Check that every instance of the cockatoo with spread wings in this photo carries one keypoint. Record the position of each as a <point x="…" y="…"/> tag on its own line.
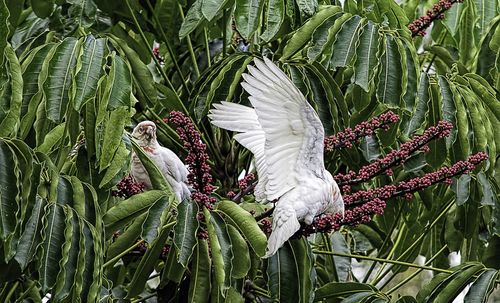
<point x="172" y="168"/>
<point x="286" y="136"/>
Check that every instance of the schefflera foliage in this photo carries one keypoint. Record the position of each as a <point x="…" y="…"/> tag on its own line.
<point x="52" y="228"/>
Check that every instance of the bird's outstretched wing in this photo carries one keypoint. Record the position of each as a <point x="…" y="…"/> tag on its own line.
<point x="293" y="132"/>
<point x="282" y="130"/>
<point x="243" y="119"/>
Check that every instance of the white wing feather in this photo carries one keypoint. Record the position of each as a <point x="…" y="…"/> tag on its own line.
<point x="290" y="125"/>
<point x="243" y="119"/>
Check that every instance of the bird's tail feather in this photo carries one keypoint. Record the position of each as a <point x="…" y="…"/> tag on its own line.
<point x="285" y="224"/>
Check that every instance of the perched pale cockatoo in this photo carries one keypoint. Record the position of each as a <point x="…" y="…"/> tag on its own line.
<point x="169" y="164"/>
<point x="285" y="135"/>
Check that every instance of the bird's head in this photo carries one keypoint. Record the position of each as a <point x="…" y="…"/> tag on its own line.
<point x="145" y="133"/>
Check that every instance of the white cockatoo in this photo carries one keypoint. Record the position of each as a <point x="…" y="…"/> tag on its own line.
<point x="172" y="168"/>
<point x="285" y="135"/>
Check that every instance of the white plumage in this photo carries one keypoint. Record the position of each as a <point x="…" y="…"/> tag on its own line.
<point x="285" y="135"/>
<point x="172" y="168"/>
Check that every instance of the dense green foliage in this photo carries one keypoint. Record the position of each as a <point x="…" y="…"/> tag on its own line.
<point x="74" y="75"/>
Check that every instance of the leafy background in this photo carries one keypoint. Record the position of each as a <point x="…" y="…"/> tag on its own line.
<point x="75" y="75"/>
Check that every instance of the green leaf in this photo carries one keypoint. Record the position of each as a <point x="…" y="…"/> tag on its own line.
<point x="346" y="41"/>
<point x="113" y="134"/>
<point x="52" y="139"/>
<point x="246" y="15"/>
<point x="118" y="167"/>
<point x="489" y="196"/>
<point x="12" y="108"/>
<point x="43" y="8"/>
<point x="118" y="85"/>
<point x="9" y="191"/>
<point x="240" y="263"/>
<point x="210" y="8"/>
<point x="324" y="35"/>
<point x="275" y="15"/>
<point x="453" y="16"/>
<point x="88" y="71"/>
<point x="31" y="236"/>
<point x="4" y="29"/>
<point x="467" y="43"/>
<point x="342" y="290"/>
<point x="147" y="264"/>
<point x="461" y="187"/>
<point x="301" y="36"/>
<point x="390" y="83"/>
<point x="199" y="286"/>
<point x="60" y="74"/>
<point x="122" y="213"/>
<point x="216" y="249"/>
<point x="157" y="215"/>
<point x="481" y="289"/>
<point x="457" y="282"/>
<point x="418" y="116"/>
<point x="194" y="18"/>
<point x="126" y="238"/>
<point x="141" y="73"/>
<point x="247" y="225"/>
<point x="307" y="7"/>
<point x="304" y="262"/>
<point x="53" y="240"/>
<point x="366" y="56"/>
<point x="83" y="12"/>
<point x="185" y="230"/>
<point x="437" y="153"/>
<point x="283" y="278"/>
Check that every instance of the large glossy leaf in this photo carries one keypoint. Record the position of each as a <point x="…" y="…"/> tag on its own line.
<point x="88" y="71"/>
<point x="9" y="200"/>
<point x="282" y="275"/>
<point x="185" y="230"/>
<point x="304" y="33"/>
<point x="366" y="56"/>
<point x="4" y="29"/>
<point x="53" y="241"/>
<point x="118" y="216"/>
<point x="60" y="74"/>
<point x="11" y="95"/>
<point x="247" y="15"/>
<point x="240" y="264"/>
<point x="390" y="79"/>
<point x="275" y="15"/>
<point x="341" y="290"/>
<point x="217" y="250"/>
<point x="246" y="224"/>
<point x="199" y="286"/>
<point x="147" y="264"/>
<point x="482" y="287"/>
<point x="118" y="84"/>
<point x="194" y="18"/>
<point x="346" y="42"/>
<point x="113" y="133"/>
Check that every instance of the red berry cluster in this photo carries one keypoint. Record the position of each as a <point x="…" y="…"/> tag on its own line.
<point x="362" y="205"/>
<point x="395" y="157"/>
<point x="127" y="187"/>
<point x="246" y="181"/>
<point x="418" y="26"/>
<point x="349" y="136"/>
<point x="199" y="171"/>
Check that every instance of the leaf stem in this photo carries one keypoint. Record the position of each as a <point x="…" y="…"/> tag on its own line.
<point x="386" y="240"/>
<point x="169" y="47"/>
<point x="420" y="238"/>
<point x="207" y="48"/>
<point x="190" y="45"/>
<point x="143" y="299"/>
<point x="158" y="65"/>
<point x="112" y="261"/>
<point x="383" y="261"/>
<point x="415" y="273"/>
<point x="11" y="291"/>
